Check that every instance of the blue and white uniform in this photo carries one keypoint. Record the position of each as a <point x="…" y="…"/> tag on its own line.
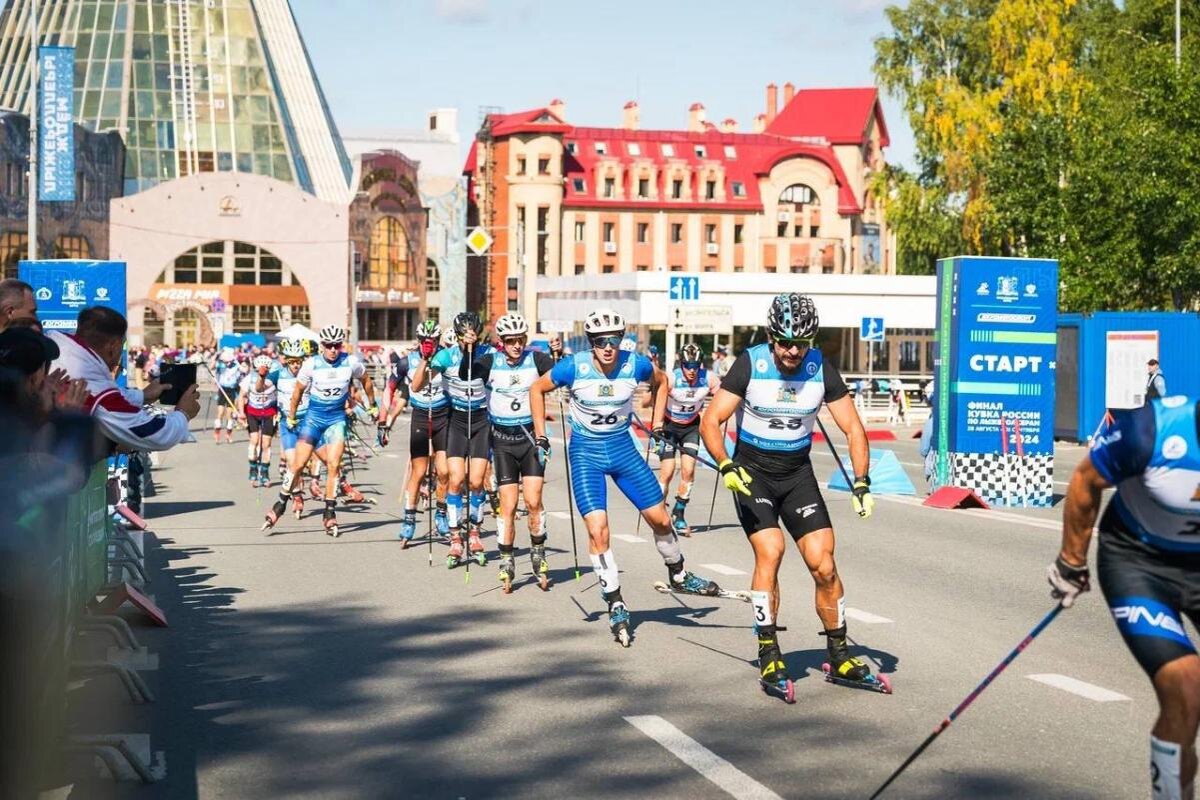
<point x="468" y="398"/>
<point x="685" y="401"/>
<point x="228" y="376"/>
<point x="328" y="386"/>
<point x="513" y="454"/>
<point x="600" y="412"/>
<point x="1149" y="550"/>
<point x="431" y="410"/>
<point x="285" y="384"/>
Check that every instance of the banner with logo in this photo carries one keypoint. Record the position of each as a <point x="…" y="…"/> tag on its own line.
<point x="56" y="129"/>
<point x="64" y="287"/>
<point x="996" y="343"/>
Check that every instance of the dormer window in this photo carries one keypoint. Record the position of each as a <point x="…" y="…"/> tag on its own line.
<point x="601" y="148"/>
<point x="668" y="151"/>
<point x="634" y="149"/>
<point x="730" y="151"/>
<point x="580" y="185"/>
<point x="701" y="151"/>
<point x="572" y="147"/>
<point x="739" y="189"/>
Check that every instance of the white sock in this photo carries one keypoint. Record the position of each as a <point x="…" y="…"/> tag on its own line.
<point x="605" y="565"/>
<point x="761" y="603"/>
<point x="1165" y="771"/>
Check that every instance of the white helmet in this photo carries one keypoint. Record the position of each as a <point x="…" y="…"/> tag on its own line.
<point x="511" y="325"/>
<point x="332" y="334"/>
<point x="603" y="320"/>
<point x="292" y="348"/>
<point x="449" y="339"/>
<point x="263" y="361"/>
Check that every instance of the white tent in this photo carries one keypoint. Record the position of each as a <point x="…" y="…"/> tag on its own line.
<point x="297" y="331"/>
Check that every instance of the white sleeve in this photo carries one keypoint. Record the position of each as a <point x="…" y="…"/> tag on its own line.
<point x="135" y="396"/>
<point x="138" y="428"/>
<point x="304" y="376"/>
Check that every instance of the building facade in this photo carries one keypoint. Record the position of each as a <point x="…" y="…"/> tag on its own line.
<point x="226" y="130"/>
<point x="791" y="197"/>
<point x="387" y="234"/>
<point x="78" y="229"/>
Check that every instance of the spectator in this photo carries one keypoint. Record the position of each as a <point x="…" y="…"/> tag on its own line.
<point x="26" y="354"/>
<point x="93" y="353"/>
<point x="556" y="347"/>
<point x="723" y="361"/>
<point x="16" y="301"/>
<point x="1156" y="384"/>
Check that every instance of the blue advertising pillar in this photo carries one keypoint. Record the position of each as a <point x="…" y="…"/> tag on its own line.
<point x="996" y="345"/>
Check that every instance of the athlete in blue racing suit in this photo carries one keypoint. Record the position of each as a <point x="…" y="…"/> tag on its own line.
<point x="602" y="381"/>
<point x="1148" y="563"/>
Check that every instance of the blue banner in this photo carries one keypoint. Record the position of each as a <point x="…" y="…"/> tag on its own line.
<point x="997" y="344"/>
<point x="56" y="130"/>
<point x="62" y="288"/>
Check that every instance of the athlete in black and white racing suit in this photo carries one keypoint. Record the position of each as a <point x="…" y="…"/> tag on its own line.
<point x="689" y="385"/>
<point x="1148" y="563"/>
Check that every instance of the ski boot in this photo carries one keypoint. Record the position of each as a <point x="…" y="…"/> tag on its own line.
<point x="351" y="495"/>
<point x="772" y="672"/>
<point x="264" y="474"/>
<point x="441" y="523"/>
<point x="847" y="670"/>
<point x="508" y="571"/>
<point x="475" y="546"/>
<point x="678" y="523"/>
<point x="329" y="520"/>
<point x="618" y="619"/>
<point x="455" y="556"/>
<point x="254" y="474"/>
<point x="277" y="510"/>
<point x="298" y="504"/>
<point x="691" y="583"/>
<point x="408" y="529"/>
<point x="541" y="567"/>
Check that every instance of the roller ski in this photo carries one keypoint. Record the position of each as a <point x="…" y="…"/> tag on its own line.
<point x="847" y="670"/>
<point x="277" y="510"/>
<point x="689" y="583"/>
<point x="618" y="620"/>
<point x="678" y="523"/>
<point x="475" y="546"/>
<point x="329" y="520"/>
<point x="348" y="494"/>
<point x="455" y="556"/>
<point x="508" y="572"/>
<point x="408" y="529"/>
<point x="541" y="567"/>
<point x="772" y="671"/>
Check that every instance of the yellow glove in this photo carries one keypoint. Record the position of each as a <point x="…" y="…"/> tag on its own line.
<point x="860" y="499"/>
<point x="373" y="410"/>
<point x="736" y="478"/>
<point x="292" y="422"/>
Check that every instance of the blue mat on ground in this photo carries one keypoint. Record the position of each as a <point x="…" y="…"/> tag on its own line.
<point x="887" y="476"/>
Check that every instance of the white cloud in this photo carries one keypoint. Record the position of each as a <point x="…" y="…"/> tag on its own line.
<point x="467" y="12"/>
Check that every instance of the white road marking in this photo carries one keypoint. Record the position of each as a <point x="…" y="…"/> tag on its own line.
<point x="716" y="769"/>
<point x="866" y="617"/>
<point x="1074" y="686"/>
<point x="721" y="569"/>
<point x="559" y="514"/>
<point x="629" y="537"/>
<point x="390" y="455"/>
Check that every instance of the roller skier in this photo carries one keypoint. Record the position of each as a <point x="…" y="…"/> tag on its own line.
<point x="427" y="434"/>
<point x="688" y="385"/>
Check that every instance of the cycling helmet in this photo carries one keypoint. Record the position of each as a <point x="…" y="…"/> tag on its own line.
<point x="793" y="316"/>
<point x="428" y="329"/>
<point x="263" y="361"/>
<point x="467" y="321"/>
<point x="511" y="325"/>
<point x="227" y="355"/>
<point x="332" y="334"/>
<point x="603" y="320"/>
<point x="691" y="353"/>
<point x="629" y="345"/>
<point x="449" y="339"/>
<point x="293" y="348"/>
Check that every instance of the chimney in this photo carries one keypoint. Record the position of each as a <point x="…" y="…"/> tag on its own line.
<point x="633" y="116"/>
<point x="760" y="123"/>
<point x="729" y="125"/>
<point x="789" y="91"/>
<point x="772" y="102"/>
<point x="696" y="117"/>
<point x="558" y="108"/>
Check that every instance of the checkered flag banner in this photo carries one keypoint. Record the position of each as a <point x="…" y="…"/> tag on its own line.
<point x="1006" y="480"/>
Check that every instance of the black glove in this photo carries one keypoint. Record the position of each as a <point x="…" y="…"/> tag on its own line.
<point x="381" y="434"/>
<point x="659" y="437"/>
<point x="543" y="449"/>
<point x="1067" y="582"/>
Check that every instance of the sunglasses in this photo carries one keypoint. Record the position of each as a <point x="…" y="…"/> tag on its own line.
<point x="788" y="344"/>
<point x="332" y="345"/>
<point x="600" y="342"/>
<point x="690" y="364"/>
<point x="507" y="340"/>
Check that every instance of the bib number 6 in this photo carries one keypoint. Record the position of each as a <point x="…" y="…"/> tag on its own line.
<point x="601" y="419"/>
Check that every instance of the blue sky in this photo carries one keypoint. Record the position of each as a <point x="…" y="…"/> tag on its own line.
<point x="383" y="64"/>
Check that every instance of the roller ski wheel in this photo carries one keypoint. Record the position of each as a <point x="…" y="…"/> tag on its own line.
<point x="872" y="683"/>
<point x="455" y="556"/>
<point x="475" y="547"/>
<point x="273" y="514"/>
<point x="541" y="567"/>
<point x="772" y="671"/>
<point x="508" y="573"/>
<point x="724" y="594"/>
<point x="331" y="524"/>
<point x="618" y="623"/>
<point x="784" y="689"/>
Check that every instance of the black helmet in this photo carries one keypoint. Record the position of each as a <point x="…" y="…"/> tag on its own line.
<point x="467" y="321"/>
<point x="690" y="353"/>
<point x="793" y="316"/>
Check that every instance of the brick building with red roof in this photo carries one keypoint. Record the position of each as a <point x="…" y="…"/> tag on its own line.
<point x="790" y="197"/>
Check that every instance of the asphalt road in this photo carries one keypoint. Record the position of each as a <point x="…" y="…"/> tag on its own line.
<point x="303" y="667"/>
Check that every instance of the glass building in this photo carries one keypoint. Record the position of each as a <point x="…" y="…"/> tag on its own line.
<point x="191" y="85"/>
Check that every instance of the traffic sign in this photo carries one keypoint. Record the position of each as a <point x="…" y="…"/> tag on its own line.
<point x="479" y="241"/>
<point x="871" y="329"/>
<point x="701" y="320"/>
<point x="684" y="288"/>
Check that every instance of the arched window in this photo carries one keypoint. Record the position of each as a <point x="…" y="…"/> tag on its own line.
<point x="433" y="279"/>
<point x="387" y="262"/>
<point x="799" y="212"/>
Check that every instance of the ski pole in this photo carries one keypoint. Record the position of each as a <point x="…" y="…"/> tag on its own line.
<point x="562" y="417"/>
<point x="221" y="389"/>
<point x="470" y="354"/>
<point x="432" y="485"/>
<point x="833" y="450"/>
<point x="716" y="483"/>
<point x="978" y="690"/>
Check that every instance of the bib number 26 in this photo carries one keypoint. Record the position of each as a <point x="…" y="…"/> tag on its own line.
<point x="603" y="419"/>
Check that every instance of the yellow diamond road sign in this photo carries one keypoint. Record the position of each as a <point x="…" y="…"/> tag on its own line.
<point x="479" y="241"/>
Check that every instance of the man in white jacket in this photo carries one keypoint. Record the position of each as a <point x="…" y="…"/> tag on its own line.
<point x="92" y="353"/>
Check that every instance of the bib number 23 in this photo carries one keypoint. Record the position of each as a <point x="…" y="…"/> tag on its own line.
<point x="777" y="424"/>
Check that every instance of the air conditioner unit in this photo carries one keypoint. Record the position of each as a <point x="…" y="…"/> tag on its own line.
<point x="784" y="216"/>
<point x="610" y="247"/>
<point x="711" y="248"/>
